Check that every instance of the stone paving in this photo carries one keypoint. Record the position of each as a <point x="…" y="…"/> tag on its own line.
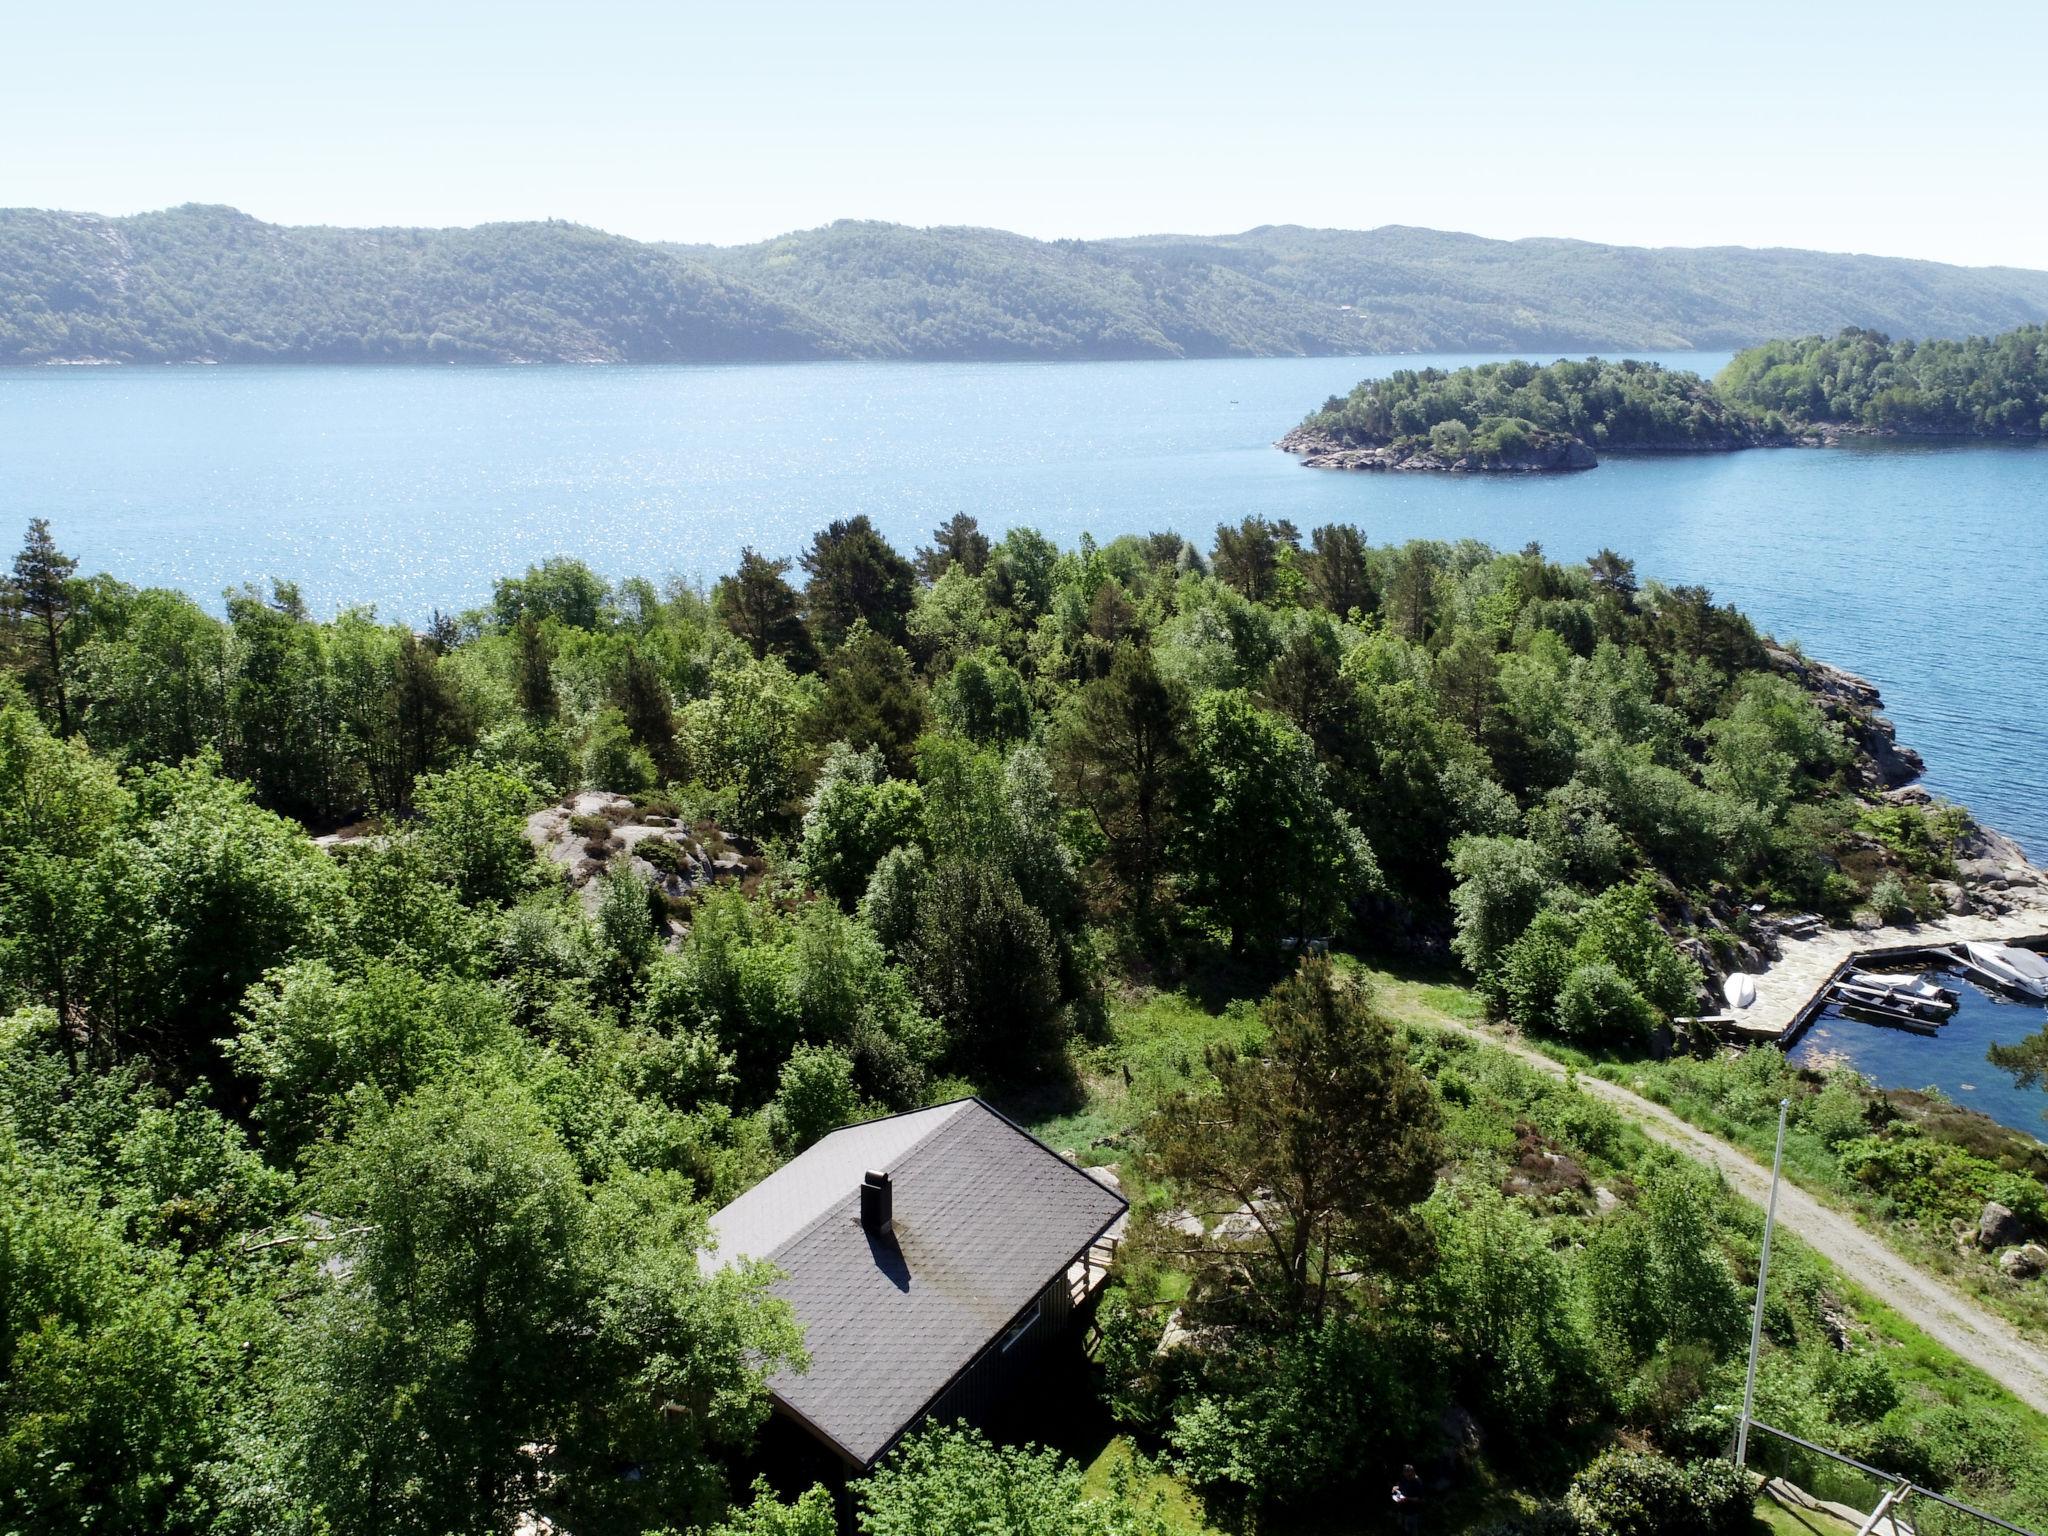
<point x="1805" y="965"/>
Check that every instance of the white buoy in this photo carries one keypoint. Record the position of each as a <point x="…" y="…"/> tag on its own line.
<point x="1739" y="989"/>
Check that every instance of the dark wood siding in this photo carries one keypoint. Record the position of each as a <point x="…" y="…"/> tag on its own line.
<point x="995" y="1373"/>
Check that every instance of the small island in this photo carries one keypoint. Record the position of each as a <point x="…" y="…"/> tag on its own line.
<point x="1518" y="417"/>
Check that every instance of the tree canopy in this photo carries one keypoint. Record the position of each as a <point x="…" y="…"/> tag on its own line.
<point x="382" y="1011"/>
<point x="1983" y="386"/>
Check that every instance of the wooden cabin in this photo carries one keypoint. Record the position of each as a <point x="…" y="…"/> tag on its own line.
<point x="931" y="1258"/>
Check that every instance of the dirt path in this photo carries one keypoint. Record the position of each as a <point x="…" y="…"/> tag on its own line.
<point x="1957" y="1323"/>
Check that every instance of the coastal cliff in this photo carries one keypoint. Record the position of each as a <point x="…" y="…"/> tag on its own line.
<point x="1854" y="704"/>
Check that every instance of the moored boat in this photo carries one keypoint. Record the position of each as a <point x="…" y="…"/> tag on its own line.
<point x="2017" y="970"/>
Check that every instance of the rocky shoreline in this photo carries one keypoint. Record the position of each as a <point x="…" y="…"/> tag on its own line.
<point x="1557" y="453"/>
<point x="1547" y="452"/>
<point x="1995" y="885"/>
<point x="1551" y="453"/>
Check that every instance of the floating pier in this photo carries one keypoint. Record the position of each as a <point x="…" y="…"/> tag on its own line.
<point x="1888" y="1018"/>
<point x="1793" y="986"/>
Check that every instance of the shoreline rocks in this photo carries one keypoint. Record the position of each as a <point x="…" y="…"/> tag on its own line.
<point x="1547" y="453"/>
<point x="1553" y="453"/>
<point x="1854" y="703"/>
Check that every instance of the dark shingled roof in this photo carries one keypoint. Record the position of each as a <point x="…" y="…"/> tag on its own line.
<point x="986" y="1216"/>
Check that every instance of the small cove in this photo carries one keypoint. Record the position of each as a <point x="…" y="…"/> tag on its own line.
<point x="1951" y="1061"/>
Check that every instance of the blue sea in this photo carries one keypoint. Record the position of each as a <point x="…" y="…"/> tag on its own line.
<point x="1920" y="566"/>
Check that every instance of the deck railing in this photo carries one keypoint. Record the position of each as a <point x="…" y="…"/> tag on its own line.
<point x="1894" y="1503"/>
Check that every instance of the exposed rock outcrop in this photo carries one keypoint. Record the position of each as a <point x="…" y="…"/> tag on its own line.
<point x="2025" y="1263"/>
<point x="1996" y="1226"/>
<point x="1547" y="452"/>
<point x="586" y="833"/>
<point x="1853" y="703"/>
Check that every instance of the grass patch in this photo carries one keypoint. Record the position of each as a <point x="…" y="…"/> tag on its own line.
<point x="1158" y="1042"/>
<point x="1780" y="1521"/>
<point x="1182" y="1509"/>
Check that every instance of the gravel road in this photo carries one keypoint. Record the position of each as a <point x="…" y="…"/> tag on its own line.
<point x="1959" y="1324"/>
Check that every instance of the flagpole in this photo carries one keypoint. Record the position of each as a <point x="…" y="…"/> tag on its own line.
<point x="1763" y="1270"/>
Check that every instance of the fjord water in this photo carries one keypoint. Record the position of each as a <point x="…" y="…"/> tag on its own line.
<point x="1920" y="566"/>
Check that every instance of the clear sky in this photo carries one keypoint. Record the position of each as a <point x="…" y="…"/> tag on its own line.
<point x="1866" y="125"/>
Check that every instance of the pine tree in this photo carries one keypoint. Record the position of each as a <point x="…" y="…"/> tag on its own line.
<point x="1328" y="1136"/>
<point x="535" y="675"/>
<point x="1248" y="556"/>
<point x="758" y="606"/>
<point x="1117" y="751"/>
<point x="855" y="575"/>
<point x="650" y="716"/>
<point x="1614" y="575"/>
<point x="872" y="698"/>
<point x="428" y="717"/>
<point x="1338" y="574"/>
<point x="957" y="541"/>
<point x="40" y="594"/>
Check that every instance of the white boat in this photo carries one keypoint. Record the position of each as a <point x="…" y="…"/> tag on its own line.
<point x="1919" y="987"/>
<point x="1850" y="993"/>
<point x="2020" y="970"/>
<point x="1739" y="989"/>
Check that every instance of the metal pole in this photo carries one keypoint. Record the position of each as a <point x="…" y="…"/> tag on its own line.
<point x="1887" y="1511"/>
<point x="1763" y="1272"/>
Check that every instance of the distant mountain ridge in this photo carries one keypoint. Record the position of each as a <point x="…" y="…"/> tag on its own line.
<point x="209" y="284"/>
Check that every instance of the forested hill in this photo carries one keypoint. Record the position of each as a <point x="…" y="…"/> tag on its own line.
<point x="204" y="283"/>
<point x="210" y="284"/>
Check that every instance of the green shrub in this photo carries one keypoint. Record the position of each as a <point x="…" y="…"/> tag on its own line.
<point x="1312" y="1413"/>
<point x="1935" y="1181"/>
<point x="816" y="1095"/>
<point x="1450" y="438"/>
<point x="1634" y="1493"/>
<point x="950" y="1481"/>
<point x="984" y="700"/>
<point x="1504" y="435"/>
<point x="1857" y="1385"/>
<point x="856" y="816"/>
<point x="1888" y="899"/>
<point x="1836" y="1114"/>
<point x="765" y="1515"/>
<point x="610" y="759"/>
<point x="1537" y="966"/>
<point x="1598" y="1006"/>
<point x="666" y="855"/>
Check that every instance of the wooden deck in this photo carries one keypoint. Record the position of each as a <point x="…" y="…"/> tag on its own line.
<point x="1089" y="1273"/>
